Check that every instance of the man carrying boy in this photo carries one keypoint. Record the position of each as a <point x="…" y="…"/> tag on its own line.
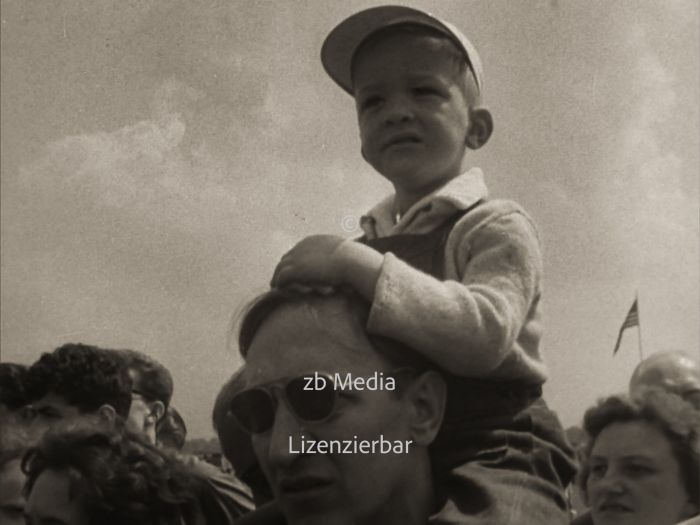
<point x="450" y="273"/>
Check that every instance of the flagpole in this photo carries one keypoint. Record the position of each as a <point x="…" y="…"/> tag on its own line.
<point x="639" y="328"/>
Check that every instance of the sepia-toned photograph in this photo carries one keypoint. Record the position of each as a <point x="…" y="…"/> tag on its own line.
<point x="324" y="262"/>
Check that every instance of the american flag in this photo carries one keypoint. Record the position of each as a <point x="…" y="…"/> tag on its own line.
<point x="631" y="320"/>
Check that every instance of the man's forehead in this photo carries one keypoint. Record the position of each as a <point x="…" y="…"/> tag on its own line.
<point x="301" y="338"/>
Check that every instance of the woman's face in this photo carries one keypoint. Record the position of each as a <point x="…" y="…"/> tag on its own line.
<point x="634" y="478"/>
<point x="52" y="501"/>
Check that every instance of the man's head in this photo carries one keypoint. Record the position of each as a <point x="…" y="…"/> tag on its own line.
<point x="171" y="430"/>
<point x="417" y="83"/>
<point x="78" y="379"/>
<point x="287" y="337"/>
<point x="151" y="392"/>
<point x="671" y="371"/>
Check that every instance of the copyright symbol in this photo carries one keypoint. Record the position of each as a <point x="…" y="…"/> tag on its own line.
<point x="349" y="224"/>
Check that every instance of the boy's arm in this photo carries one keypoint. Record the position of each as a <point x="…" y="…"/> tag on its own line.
<point x="469" y="326"/>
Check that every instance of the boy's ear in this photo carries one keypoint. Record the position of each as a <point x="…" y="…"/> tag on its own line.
<point x="427" y="397"/>
<point x="480" y="128"/>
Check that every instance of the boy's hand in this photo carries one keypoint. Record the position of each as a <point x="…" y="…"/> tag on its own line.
<point x="315" y="260"/>
<point x="330" y="260"/>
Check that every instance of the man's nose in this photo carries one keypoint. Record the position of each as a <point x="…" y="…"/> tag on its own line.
<point x="398" y="109"/>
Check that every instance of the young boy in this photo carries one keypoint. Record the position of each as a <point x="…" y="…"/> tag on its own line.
<point x="450" y="273"/>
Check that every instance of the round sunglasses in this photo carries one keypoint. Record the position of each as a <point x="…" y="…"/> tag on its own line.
<point x="254" y="409"/>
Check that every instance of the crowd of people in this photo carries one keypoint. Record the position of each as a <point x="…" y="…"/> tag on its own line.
<point x="392" y="379"/>
<point x="88" y="436"/>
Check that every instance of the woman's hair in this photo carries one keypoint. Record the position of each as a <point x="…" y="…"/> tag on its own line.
<point x="261" y="308"/>
<point x="122" y="478"/>
<point x="675" y="418"/>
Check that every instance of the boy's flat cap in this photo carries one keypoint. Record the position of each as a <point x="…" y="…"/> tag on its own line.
<point x="343" y="41"/>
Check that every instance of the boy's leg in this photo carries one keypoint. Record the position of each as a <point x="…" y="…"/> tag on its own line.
<point x="514" y="472"/>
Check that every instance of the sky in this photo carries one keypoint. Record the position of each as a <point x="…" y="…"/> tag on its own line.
<point x="159" y="157"/>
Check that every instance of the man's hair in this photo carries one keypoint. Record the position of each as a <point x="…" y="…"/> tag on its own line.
<point x="448" y="48"/>
<point x="121" y="477"/>
<point x="150" y="379"/>
<point x="86" y="376"/>
<point x="674" y="417"/>
<point x="12" y="385"/>
<point x="398" y="354"/>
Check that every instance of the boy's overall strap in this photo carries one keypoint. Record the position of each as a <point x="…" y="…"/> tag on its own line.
<point x="444" y="231"/>
<point x="423" y="251"/>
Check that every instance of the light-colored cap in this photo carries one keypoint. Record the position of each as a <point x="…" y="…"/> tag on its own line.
<point x="342" y="42"/>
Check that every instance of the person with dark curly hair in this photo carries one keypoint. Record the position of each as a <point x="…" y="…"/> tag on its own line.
<point x="78" y="379"/>
<point x="642" y="461"/>
<point x="82" y="474"/>
<point x="77" y="382"/>
<point x="152" y="389"/>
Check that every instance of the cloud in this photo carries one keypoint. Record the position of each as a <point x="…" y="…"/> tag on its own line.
<point x="659" y="201"/>
<point x="143" y="170"/>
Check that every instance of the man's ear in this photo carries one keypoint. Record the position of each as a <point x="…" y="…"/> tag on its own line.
<point x="107" y="413"/>
<point x="427" y="395"/>
<point x="480" y="128"/>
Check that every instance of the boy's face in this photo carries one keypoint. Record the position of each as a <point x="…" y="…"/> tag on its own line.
<point x="412" y="114"/>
